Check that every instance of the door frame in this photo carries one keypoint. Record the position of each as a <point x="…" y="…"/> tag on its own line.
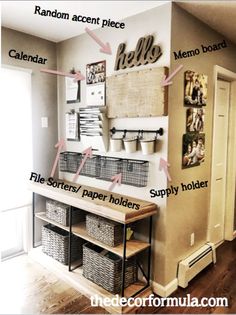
<point x="225" y="74"/>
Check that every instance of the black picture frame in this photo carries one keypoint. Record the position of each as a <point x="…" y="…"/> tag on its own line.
<point x="96" y="72"/>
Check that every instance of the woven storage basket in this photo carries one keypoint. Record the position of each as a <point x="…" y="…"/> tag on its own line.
<point x="104" y="230"/>
<point x="59" y="212"/>
<point x="55" y="243"/>
<point x="106" y="271"/>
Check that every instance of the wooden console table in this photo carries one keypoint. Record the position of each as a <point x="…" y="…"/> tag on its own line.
<point x="106" y="209"/>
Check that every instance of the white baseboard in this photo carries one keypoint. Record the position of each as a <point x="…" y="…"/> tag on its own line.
<point x="165" y="291"/>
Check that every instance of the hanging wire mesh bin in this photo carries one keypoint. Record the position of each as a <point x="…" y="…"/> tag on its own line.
<point x="91" y="167"/>
<point x="69" y="161"/>
<point x="109" y="167"/>
<point x="135" y="172"/>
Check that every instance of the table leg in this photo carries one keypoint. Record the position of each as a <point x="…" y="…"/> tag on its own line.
<point x="149" y="249"/>
<point x="70" y="238"/>
<point x="33" y="220"/>
<point x="123" y="261"/>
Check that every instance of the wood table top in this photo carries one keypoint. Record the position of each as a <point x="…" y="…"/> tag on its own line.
<point x="101" y="204"/>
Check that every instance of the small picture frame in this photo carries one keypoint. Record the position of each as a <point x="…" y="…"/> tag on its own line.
<point x="195" y="119"/>
<point x="195" y="89"/>
<point x="96" y="72"/>
<point x="193" y="149"/>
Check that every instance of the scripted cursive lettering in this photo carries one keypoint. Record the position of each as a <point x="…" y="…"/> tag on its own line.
<point x="145" y="52"/>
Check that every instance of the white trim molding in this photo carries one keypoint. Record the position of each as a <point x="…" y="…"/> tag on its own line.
<point x="234" y="234"/>
<point x="225" y="74"/>
<point x="165" y="291"/>
<point x="30" y="71"/>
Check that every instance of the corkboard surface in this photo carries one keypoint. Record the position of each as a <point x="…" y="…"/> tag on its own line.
<point x="137" y="94"/>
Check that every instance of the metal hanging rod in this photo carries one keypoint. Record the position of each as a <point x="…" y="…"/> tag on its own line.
<point x="160" y="131"/>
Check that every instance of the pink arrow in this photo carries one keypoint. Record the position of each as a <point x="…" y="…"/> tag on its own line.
<point x="116" y="180"/>
<point x="88" y="153"/>
<point x="163" y="165"/>
<point x="60" y="144"/>
<point x="166" y="81"/>
<point x="77" y="76"/>
<point x="105" y="48"/>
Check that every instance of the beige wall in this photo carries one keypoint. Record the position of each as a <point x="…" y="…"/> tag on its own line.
<point x="81" y="50"/>
<point x="188" y="211"/>
<point x="44" y="93"/>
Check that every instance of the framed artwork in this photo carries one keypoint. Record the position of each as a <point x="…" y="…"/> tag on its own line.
<point x="195" y="118"/>
<point x="193" y="151"/>
<point x="195" y="89"/>
<point x="96" y="72"/>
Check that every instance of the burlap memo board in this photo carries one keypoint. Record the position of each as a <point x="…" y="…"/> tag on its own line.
<point x="136" y="94"/>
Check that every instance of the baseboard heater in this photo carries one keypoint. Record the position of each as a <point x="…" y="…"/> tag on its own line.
<point x="192" y="265"/>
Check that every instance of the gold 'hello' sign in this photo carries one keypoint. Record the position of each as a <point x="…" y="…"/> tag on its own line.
<point x="144" y="53"/>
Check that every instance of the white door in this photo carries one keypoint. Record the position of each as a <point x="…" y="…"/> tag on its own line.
<point x="16" y="158"/>
<point x="219" y="162"/>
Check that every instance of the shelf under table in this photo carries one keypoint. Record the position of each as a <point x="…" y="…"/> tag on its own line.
<point x="42" y="216"/>
<point x="79" y="282"/>
<point x="132" y="246"/>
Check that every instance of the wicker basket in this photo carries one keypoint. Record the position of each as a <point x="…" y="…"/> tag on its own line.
<point x="55" y="243"/>
<point x="106" y="270"/>
<point x="59" y="212"/>
<point x="104" y="230"/>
